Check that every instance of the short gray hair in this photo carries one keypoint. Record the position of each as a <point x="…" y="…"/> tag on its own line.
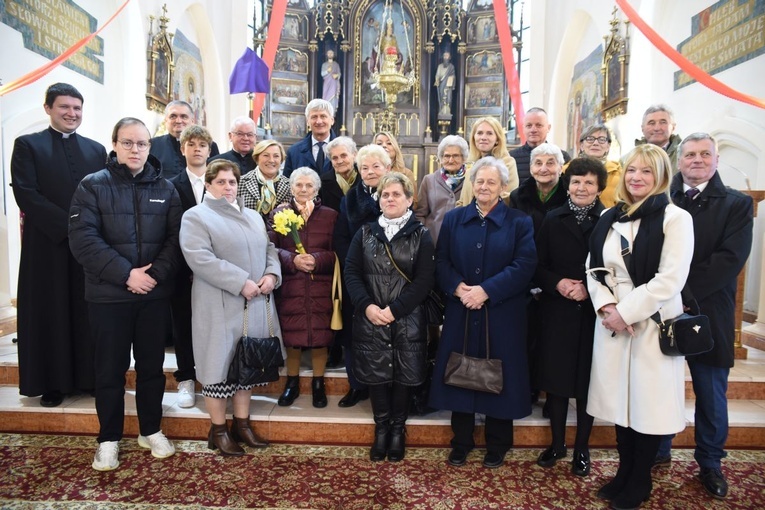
<point x="373" y="151"/>
<point x="178" y="102"/>
<point x="304" y="171"/>
<point x="659" y="108"/>
<point x="594" y="129"/>
<point x="547" y="149"/>
<point x="243" y="119"/>
<point x="319" y="104"/>
<point x="696" y="137"/>
<point x="453" y="141"/>
<point x="341" y="141"/>
<point x="491" y="162"/>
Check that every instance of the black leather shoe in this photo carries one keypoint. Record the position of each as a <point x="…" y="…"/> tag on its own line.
<point x="353" y="397"/>
<point x="318" y="392"/>
<point x="51" y="399"/>
<point x="549" y="457"/>
<point x="662" y="460"/>
<point x="714" y="482"/>
<point x="580" y="464"/>
<point x="291" y="391"/>
<point x="457" y="457"/>
<point x="493" y="460"/>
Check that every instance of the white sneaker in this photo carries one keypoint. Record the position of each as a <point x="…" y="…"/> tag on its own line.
<point x="107" y="455"/>
<point x="186" y="395"/>
<point x="160" y="446"/>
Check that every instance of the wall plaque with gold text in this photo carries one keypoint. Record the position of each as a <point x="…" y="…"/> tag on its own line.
<point x="724" y="35"/>
<point x="50" y="27"/>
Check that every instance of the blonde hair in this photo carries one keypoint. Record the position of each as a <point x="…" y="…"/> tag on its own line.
<point x="373" y="151"/>
<point x="397" y="161"/>
<point x="396" y="178"/>
<point x="657" y="160"/>
<point x="499" y="151"/>
<point x="262" y="146"/>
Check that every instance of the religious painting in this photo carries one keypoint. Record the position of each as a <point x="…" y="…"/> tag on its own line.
<point x="289" y="125"/>
<point x="160" y="69"/>
<point x="188" y="82"/>
<point x="295" y="27"/>
<point x="484" y="63"/>
<point x="470" y="121"/>
<point x="482" y="30"/>
<point x="291" y="60"/>
<point x="481" y="5"/>
<point x="614" y="71"/>
<point x="584" y="98"/>
<point x="289" y="92"/>
<point x="486" y="94"/>
<point x="377" y="37"/>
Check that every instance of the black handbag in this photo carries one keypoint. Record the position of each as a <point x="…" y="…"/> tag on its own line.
<point x="685" y="335"/>
<point x="256" y="360"/>
<point x="477" y="374"/>
<point x="433" y="304"/>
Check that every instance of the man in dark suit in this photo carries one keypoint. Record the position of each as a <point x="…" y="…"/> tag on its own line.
<point x="167" y="148"/>
<point x="243" y="135"/>
<point x="722" y="222"/>
<point x="56" y="350"/>
<point x="320" y="116"/>
<point x="536" y="127"/>
<point x="190" y="184"/>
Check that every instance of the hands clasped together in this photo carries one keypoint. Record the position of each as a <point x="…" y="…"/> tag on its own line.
<point x="472" y="296"/>
<point x="572" y="289"/>
<point x="613" y="320"/>
<point x="264" y="286"/>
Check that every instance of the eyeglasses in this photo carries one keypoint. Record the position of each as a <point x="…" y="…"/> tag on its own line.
<point x="243" y="135"/>
<point x="600" y="139"/>
<point x="128" y="145"/>
<point x="446" y="157"/>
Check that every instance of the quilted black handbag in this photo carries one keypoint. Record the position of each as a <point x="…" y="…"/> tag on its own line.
<point x="256" y="360"/>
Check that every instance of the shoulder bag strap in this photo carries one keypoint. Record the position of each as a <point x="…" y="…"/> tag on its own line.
<point x="268" y="315"/>
<point x="390" y="256"/>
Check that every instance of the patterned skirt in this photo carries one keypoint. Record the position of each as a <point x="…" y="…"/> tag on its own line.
<point x="224" y="389"/>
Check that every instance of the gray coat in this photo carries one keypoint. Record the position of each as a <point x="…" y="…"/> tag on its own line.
<point x="224" y="247"/>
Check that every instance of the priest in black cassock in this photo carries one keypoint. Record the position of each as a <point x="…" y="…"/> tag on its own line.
<point x="56" y="352"/>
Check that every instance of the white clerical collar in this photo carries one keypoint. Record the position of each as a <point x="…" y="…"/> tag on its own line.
<point x="65" y="135"/>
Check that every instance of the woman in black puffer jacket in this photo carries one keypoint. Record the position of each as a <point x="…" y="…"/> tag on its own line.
<point x="389" y="324"/>
<point x="123" y="229"/>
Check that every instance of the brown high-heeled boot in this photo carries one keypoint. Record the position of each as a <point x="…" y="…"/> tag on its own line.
<point x="242" y="432"/>
<point x="220" y="439"/>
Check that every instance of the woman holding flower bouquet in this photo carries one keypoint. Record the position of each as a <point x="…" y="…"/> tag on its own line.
<point x="303" y="237"/>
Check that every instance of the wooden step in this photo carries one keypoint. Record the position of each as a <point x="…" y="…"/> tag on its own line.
<point x="301" y="423"/>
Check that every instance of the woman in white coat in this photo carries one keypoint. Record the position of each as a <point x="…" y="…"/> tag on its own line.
<point x="227" y="248"/>
<point x="633" y="384"/>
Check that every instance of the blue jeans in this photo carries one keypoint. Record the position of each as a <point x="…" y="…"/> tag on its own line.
<point x="710" y="385"/>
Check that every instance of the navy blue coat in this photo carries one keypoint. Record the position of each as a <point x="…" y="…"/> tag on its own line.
<point x="722" y="225"/>
<point x="300" y="154"/>
<point x="499" y="254"/>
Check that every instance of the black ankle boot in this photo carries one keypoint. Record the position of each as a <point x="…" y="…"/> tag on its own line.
<point x="380" y="446"/>
<point x="318" y="392"/>
<point x="625" y="445"/>
<point x="291" y="391"/>
<point x="397" y="444"/>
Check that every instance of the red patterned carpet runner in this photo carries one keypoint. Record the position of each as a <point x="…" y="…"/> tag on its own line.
<point x="53" y="472"/>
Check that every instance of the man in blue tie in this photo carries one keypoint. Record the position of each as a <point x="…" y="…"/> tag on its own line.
<point x="320" y="116"/>
<point x="722" y="224"/>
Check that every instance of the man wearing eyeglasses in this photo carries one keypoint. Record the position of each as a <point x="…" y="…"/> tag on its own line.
<point x="243" y="136"/>
<point x="56" y="350"/>
<point x="167" y="148"/>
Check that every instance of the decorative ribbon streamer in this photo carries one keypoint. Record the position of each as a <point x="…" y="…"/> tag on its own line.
<point x="511" y="72"/>
<point x="50" y="66"/>
<point x="275" y="23"/>
<point x="682" y="62"/>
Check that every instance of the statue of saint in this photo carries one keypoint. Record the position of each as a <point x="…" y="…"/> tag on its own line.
<point x="445" y="83"/>
<point x="330" y="71"/>
<point x="389" y="43"/>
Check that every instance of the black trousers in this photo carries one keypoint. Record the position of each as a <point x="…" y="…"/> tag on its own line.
<point x="498" y="433"/>
<point x="116" y="328"/>
<point x="184" y="350"/>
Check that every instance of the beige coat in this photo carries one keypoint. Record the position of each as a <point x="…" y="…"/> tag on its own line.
<point x="632" y="384"/>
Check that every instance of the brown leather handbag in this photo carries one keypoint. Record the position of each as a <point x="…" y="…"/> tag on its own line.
<point x="477" y="374"/>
